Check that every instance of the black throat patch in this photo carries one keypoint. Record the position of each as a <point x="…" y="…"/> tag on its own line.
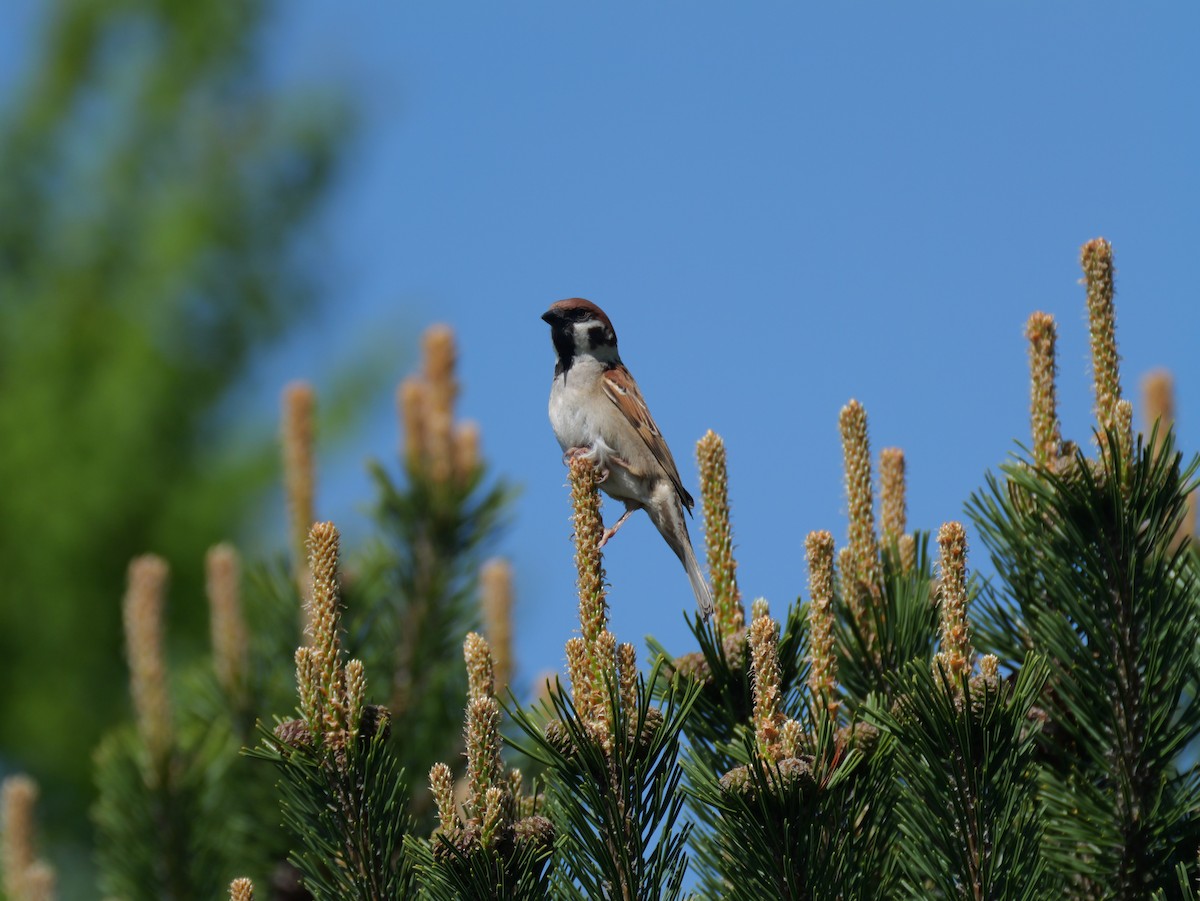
<point x="562" y="334"/>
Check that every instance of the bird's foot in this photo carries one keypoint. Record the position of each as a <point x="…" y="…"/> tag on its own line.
<point x="572" y="452"/>
<point x="586" y="453"/>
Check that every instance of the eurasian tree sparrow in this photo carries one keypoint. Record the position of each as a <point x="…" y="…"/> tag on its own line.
<point x="598" y="412"/>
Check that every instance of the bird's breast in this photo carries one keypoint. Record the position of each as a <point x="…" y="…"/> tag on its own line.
<point x="570" y="416"/>
<point x="582" y="416"/>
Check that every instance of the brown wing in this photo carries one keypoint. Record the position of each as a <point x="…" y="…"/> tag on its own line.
<point x="623" y="391"/>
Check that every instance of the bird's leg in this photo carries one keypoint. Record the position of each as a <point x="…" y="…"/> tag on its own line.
<point x="624" y="464"/>
<point x="610" y="532"/>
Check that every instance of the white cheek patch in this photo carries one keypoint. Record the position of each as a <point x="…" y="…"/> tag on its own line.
<point x="583" y="336"/>
<point x="592" y="339"/>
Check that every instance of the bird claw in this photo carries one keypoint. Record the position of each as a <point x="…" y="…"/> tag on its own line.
<point x="572" y="452"/>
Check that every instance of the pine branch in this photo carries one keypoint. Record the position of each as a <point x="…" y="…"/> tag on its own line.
<point x="615" y="791"/>
<point x="168" y="839"/>
<point x="721" y="667"/>
<point x="902" y="624"/>
<point x="1088" y="557"/>
<point x="722" y="663"/>
<point x="346" y="815"/>
<point x="418" y="585"/>
<point x="969" y="810"/>
<point x="788" y="819"/>
<point x="343" y="791"/>
<point x="496" y="845"/>
<point x="808" y="827"/>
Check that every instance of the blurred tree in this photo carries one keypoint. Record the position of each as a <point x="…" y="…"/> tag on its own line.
<point x="152" y="189"/>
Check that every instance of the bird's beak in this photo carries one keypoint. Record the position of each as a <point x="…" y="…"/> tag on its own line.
<point x="549" y="316"/>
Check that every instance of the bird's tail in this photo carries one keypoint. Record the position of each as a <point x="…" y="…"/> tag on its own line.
<point x="699" y="587"/>
<point x="667" y="516"/>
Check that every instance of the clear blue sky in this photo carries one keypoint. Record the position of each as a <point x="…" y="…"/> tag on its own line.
<point x="781" y="207"/>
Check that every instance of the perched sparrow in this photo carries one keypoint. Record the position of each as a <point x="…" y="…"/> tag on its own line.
<point x="598" y="412"/>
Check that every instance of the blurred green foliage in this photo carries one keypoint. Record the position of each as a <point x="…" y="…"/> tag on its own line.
<point x="153" y="190"/>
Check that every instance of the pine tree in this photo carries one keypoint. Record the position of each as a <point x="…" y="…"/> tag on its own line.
<point x="611" y="755"/>
<point x="1094" y="577"/>
<point x="152" y="190"/>
<point x="905" y="730"/>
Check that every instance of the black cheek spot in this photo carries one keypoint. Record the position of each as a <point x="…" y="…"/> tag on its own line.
<point x="596" y="336"/>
